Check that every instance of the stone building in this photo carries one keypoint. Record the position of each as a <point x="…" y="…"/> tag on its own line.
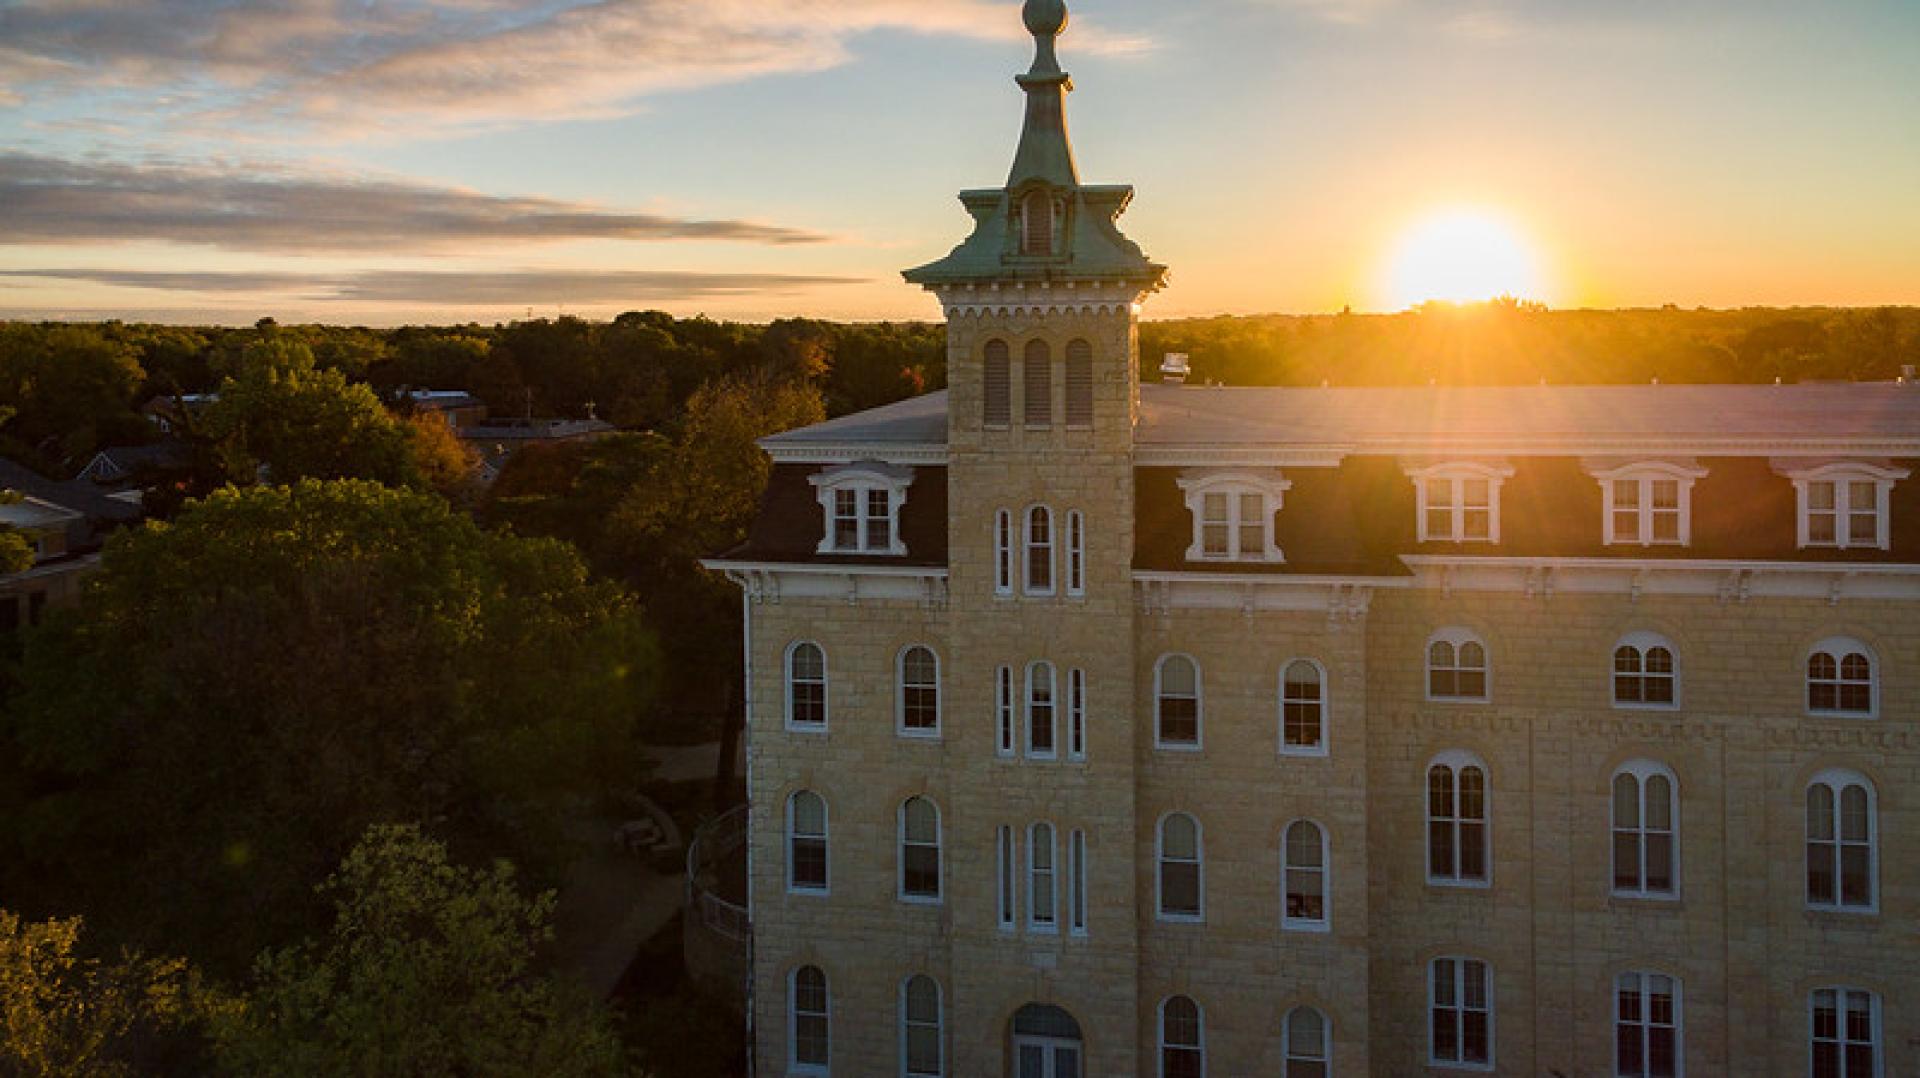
<point x="1107" y="729"/>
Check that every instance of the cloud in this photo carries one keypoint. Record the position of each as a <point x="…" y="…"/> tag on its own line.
<point x="49" y="200"/>
<point x="532" y="287"/>
<point x="1479" y="19"/>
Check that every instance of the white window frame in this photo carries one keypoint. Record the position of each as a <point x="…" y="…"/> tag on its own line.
<point x="1077" y="905"/>
<point x="863" y="479"/>
<point x="1459" y="1010"/>
<point x="1644" y="474"/>
<point x="1645" y="1025"/>
<point x="1288" y="922"/>
<point x="826" y="689"/>
<point x="794" y="1066"/>
<point x="1029" y="704"/>
<point x="1642" y="643"/>
<point x="907" y="1024"/>
<point x="1199" y="705"/>
<point x="1319" y="747"/>
<point x="939" y="854"/>
<point x="900" y="695"/>
<point x="1029" y="546"/>
<point x="1269" y="487"/>
<point x="1838" y="648"/>
<point x="1289" y="1056"/>
<point x="1840" y="994"/>
<point x="1006" y="735"/>
<point x="1159" y="871"/>
<point x="1076" y="554"/>
<point x="826" y="845"/>
<point x="1641" y="771"/>
<point x="1007" y="879"/>
<point x="1456" y="474"/>
<point x="1050" y="924"/>
<point x="1455" y="636"/>
<point x="1837" y="780"/>
<point x="1841" y="473"/>
<point x="1457" y="760"/>
<point x="1199" y="1029"/>
<point x="1076" y="714"/>
<point x="1004" y="546"/>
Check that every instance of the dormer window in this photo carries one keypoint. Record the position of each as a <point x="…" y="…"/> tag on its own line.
<point x="1233" y="515"/>
<point x="1459" y="501"/>
<point x="1842" y="504"/>
<point x="1646" y="503"/>
<point x="1036" y="223"/>
<point x="862" y="506"/>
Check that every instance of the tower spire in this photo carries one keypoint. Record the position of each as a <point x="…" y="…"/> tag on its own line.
<point x="1045" y="153"/>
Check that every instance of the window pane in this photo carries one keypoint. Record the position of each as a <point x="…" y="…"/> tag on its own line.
<point x="1476" y="524"/>
<point x="1475" y="493"/>
<point x="1473" y="656"/>
<point x="1820" y="497"/>
<point x="1214" y="508"/>
<point x="1179" y="837"/>
<point x="1180" y="888"/>
<point x="1177" y="675"/>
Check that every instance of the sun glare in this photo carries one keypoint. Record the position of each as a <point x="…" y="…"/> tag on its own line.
<point x="1462" y="256"/>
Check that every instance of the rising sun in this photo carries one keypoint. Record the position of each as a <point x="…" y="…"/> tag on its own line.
<point x="1462" y="256"/>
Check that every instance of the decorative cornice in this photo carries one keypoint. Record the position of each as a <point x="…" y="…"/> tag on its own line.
<point x="902" y="453"/>
<point x="1725" y="580"/>
<point x="770" y="582"/>
<point x="1039" y="298"/>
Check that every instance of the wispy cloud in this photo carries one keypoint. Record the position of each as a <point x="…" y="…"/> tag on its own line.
<point x="451" y="288"/>
<point x="1480" y="19"/>
<point x="49" y="200"/>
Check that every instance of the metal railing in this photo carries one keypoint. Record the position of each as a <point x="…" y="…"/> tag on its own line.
<point x="714" y="842"/>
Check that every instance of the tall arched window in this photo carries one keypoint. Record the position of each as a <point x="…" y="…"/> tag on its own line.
<point x="1176" y="694"/>
<point x="1844" y="1028"/>
<point x="1036" y="219"/>
<point x="1003" y="710"/>
<point x="1305" y="1044"/>
<point x="1302" y="709"/>
<point x="1076" y="714"/>
<point x="1043" y="722"/>
<point x="997" y="388"/>
<point x="1043" y="906"/>
<point x="1039" y="550"/>
<point x="1079" y="383"/>
<point x="1457" y="819"/>
<point x="1003" y="553"/>
<point x="1840" y="679"/>
<point x="919" y="850"/>
<point x="1460" y="1012"/>
<point x="806" y="686"/>
<point x="1183" y="1039"/>
<point x="1646" y="854"/>
<point x="806" y="842"/>
<point x="922" y="1048"/>
<point x="1076" y="553"/>
<point x="1456" y="666"/>
<point x="1842" y="852"/>
<point x="1181" y="858"/>
<point x="1304" y="877"/>
<point x="1646" y="1025"/>
<point x="1037" y="378"/>
<point x="1006" y="875"/>
<point x="919" y="699"/>
<point x="1077" y="882"/>
<point x="809" y="1022"/>
<point x="1645" y="673"/>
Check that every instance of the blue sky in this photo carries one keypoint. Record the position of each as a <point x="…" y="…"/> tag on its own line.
<point x="397" y="160"/>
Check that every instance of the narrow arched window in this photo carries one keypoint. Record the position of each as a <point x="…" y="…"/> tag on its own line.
<point x="1645" y="673"/>
<point x="1456" y="666"/>
<point x="1036" y="218"/>
<point x="1304" y="876"/>
<point x="1457" y="819"/>
<point x="1079" y="383"/>
<point x="806" y="842"/>
<point x="1302" y="709"/>
<point x="1003" y="553"/>
<point x="1043" y="729"/>
<point x="1006" y="875"/>
<point x="1183" y="1044"/>
<point x="1076" y="714"/>
<point x="1460" y="1012"/>
<point x="809" y="1022"/>
<point x="919" y="850"/>
<point x="1840" y="679"/>
<point x="806" y="686"/>
<point x="1077" y="882"/>
<point x="1037" y="379"/>
<point x="1076" y="553"/>
<point x="922" y="1048"/>
<point x="1842" y="850"/>
<point x="1003" y="710"/>
<point x="919" y="699"/>
<point x="1043" y="908"/>
<point x="1646" y="1025"/>
<point x="1039" y="551"/>
<point x="1645" y="840"/>
<point x="1181" y="879"/>
<point x="1176" y="687"/>
<point x="996" y="408"/>
<point x="1304" y="1042"/>
<point x="1844" y="1028"/>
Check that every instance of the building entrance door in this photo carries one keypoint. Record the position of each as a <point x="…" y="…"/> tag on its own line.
<point x="1046" y="1043"/>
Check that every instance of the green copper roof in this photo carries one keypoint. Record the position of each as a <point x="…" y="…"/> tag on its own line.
<point x="1089" y="245"/>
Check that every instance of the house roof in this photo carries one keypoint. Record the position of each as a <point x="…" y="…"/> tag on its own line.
<point x="918" y="420"/>
<point x="78" y="495"/>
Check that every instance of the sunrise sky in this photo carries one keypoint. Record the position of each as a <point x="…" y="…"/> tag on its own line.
<point x="437" y="160"/>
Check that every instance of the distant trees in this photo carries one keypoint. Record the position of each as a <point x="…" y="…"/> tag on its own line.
<point x="67" y="390"/>
<point x="66" y="1014"/>
<point x="281" y="417"/>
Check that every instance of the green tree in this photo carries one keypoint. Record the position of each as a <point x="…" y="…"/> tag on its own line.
<point x="295" y="421"/>
<point x="69" y="388"/>
<point x="428" y="970"/>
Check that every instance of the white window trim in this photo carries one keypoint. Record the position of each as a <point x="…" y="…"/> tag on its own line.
<point x="1645" y="472"/>
<point x="1076" y="554"/>
<point x="1159" y="862"/>
<point x="1642" y="642"/>
<point x="826" y="689"/>
<point x="1838" y="779"/>
<point x="1840" y="473"/>
<point x="1321" y="748"/>
<point x="1271" y="487"/>
<point x="1199" y="706"/>
<point x="939" y="853"/>
<point x="1079" y="910"/>
<point x="1005" y="543"/>
<point x="794" y="1066"/>
<point x="1006" y="896"/>
<point x="1646" y="1024"/>
<point x="1076" y="714"/>
<point x="1460" y="1006"/>
<point x="1456" y="635"/>
<point x="939" y="1025"/>
<point x="1005" y="712"/>
<point x="1458" y="760"/>
<point x="1053" y="710"/>
<point x="826" y="844"/>
<point x="1495" y="473"/>
<point x="861" y="478"/>
<point x="1840" y="647"/>
<point x="1642" y="770"/>
<point x="1301" y="924"/>
<point x="900" y="696"/>
<point x="1026" y="553"/>
<point x="1200" y="1027"/>
<point x="1286" y="1039"/>
<point x="1879" y="1031"/>
<point x="1034" y="924"/>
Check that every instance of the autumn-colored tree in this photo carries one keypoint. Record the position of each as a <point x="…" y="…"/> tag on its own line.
<point x="447" y="465"/>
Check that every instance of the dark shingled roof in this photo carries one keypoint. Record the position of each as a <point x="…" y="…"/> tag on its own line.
<point x="790" y="523"/>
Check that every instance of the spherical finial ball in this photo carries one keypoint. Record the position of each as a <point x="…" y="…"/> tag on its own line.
<point x="1046" y="18"/>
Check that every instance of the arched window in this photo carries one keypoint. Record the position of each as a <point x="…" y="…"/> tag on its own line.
<point x="1457" y="819"/>
<point x="1039" y="551"/>
<point x="1457" y="666"/>
<point x="806" y="687"/>
<point x="1003" y="553"/>
<point x="1181" y="881"/>
<point x="1646" y="854"/>
<point x="1036" y="217"/>
<point x="1183" y="1039"/>
<point x="1459" y="502"/>
<point x="1076" y="714"/>
<point x="1043" y="909"/>
<point x="1646" y="1026"/>
<point x="1079" y="383"/>
<point x="809" y="1022"/>
<point x="1077" y="882"/>
<point x="1303" y="709"/>
<point x="1647" y="502"/>
<point x="1043" y="729"/>
<point x="1842" y="853"/>
<point x="1460" y="1013"/>
<point x="1006" y="873"/>
<point x="1003" y="710"/>
<point x="1232" y="514"/>
<point x="1844" y="504"/>
<point x="1037" y="378"/>
<point x="1844" y="1028"/>
<point x="1076" y="553"/>
<point x="1046" y="1041"/>
<point x="997" y="389"/>
<point x="1304" y="876"/>
<point x="1840" y="679"/>
<point x="1176" y="692"/>
<point x="919" y="701"/>
<point x="861" y="504"/>
<point x="922" y="1051"/>
<point x="919" y="850"/>
<point x="806" y="842"/>
<point x="1645" y="673"/>
<point x="1304" y="1042"/>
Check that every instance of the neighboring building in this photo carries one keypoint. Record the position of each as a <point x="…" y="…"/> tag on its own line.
<point x="459" y="408"/>
<point x="498" y="439"/>
<point x="167" y="410"/>
<point x="67" y="522"/>
<point x="1115" y="730"/>
<point x="128" y="466"/>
